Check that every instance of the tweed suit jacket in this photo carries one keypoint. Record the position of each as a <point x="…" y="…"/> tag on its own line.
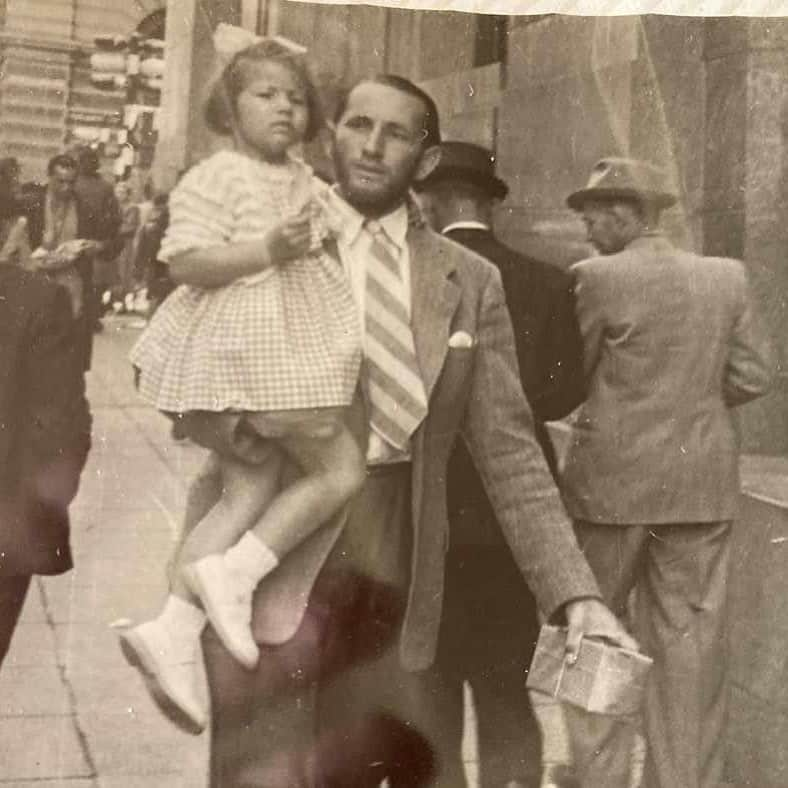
<point x="474" y="392"/>
<point x="670" y="346"/>
<point x="550" y="358"/>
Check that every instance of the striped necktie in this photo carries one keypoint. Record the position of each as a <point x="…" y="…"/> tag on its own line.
<point x="397" y="398"/>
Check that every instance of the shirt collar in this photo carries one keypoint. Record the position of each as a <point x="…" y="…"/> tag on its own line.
<point x="654" y="239"/>
<point x="467" y="224"/>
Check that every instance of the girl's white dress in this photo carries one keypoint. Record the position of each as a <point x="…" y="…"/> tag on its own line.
<point x="283" y="339"/>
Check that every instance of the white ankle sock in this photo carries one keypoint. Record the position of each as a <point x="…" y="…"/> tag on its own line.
<point x="182" y="617"/>
<point x="251" y="557"/>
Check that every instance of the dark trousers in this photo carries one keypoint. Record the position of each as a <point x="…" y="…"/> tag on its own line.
<point x="13" y="590"/>
<point x="679" y="573"/>
<point x="488" y="634"/>
<point x="332" y="707"/>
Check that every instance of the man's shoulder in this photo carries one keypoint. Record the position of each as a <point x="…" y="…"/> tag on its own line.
<point x="465" y="260"/>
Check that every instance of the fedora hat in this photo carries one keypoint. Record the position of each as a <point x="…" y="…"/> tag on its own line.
<point x="632" y="179"/>
<point x="470" y="162"/>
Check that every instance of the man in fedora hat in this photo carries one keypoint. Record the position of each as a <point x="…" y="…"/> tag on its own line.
<point x="651" y="476"/>
<point x="490" y="622"/>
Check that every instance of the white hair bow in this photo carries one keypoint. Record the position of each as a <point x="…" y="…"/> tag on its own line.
<point x="228" y="40"/>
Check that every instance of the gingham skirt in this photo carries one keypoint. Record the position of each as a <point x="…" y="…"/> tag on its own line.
<point x="287" y="339"/>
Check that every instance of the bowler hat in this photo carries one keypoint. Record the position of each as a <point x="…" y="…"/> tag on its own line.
<point x="632" y="179"/>
<point x="469" y="162"/>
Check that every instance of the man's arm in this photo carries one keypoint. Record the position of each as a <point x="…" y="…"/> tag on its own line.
<point x="498" y="428"/>
<point x="589" y="316"/>
<point x="499" y="431"/>
<point x="751" y="365"/>
<point x="59" y="418"/>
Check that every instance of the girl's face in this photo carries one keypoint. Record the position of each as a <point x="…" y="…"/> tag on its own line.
<point x="271" y="110"/>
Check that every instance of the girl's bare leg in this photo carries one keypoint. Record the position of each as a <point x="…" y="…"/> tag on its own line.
<point x="246" y="491"/>
<point x="333" y="469"/>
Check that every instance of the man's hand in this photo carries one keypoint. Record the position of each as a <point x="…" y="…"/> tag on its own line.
<point x="592" y="619"/>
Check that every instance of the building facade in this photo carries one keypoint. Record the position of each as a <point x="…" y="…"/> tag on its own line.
<point x="47" y="99"/>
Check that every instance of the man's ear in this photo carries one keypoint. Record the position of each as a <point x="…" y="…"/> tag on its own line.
<point x="427" y="163"/>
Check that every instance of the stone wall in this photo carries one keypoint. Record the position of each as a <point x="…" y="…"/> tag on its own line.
<point x="758" y="728"/>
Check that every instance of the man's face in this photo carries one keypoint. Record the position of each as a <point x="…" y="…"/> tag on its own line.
<point x="378" y="147"/>
<point x="61" y="182"/>
<point x="604" y="227"/>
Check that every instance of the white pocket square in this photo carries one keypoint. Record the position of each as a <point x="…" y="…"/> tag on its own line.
<point x="461" y="339"/>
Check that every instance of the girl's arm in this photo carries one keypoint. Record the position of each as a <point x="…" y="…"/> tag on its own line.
<point x="217" y="266"/>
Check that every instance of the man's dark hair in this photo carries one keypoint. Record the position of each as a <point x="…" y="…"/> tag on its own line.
<point x="432" y="133"/>
<point x="62" y="161"/>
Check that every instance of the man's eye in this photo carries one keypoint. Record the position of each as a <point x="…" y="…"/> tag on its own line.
<point x="357" y="123"/>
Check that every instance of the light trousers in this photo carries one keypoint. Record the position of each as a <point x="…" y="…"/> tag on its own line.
<point x="679" y="573"/>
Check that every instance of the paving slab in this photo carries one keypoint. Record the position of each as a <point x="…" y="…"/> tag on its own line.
<point x="33" y="690"/>
<point x="32" y="644"/>
<point x="38" y="748"/>
<point x="129" y="744"/>
<point x="85" y="604"/>
<point x="103" y="571"/>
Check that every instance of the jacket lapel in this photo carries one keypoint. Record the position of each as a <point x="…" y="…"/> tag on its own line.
<point x="435" y="296"/>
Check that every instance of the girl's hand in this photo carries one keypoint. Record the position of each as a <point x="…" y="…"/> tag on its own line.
<point x="291" y="238"/>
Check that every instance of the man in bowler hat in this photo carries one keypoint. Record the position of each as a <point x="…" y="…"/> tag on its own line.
<point x="490" y="622"/>
<point x="651" y="477"/>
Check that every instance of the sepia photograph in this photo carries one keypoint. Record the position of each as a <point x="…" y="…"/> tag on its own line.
<point x="486" y="302"/>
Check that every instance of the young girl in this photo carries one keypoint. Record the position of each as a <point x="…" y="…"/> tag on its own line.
<point x="261" y="339"/>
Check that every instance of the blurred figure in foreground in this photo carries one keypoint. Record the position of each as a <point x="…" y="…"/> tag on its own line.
<point x="46" y="435"/>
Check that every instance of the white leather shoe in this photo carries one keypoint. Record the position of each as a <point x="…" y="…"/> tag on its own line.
<point x="226" y="598"/>
<point x="169" y="665"/>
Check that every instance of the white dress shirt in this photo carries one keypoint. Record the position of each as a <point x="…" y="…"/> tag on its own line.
<point x="354" y="250"/>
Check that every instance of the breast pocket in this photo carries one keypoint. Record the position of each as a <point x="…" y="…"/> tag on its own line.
<point x="452" y="388"/>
